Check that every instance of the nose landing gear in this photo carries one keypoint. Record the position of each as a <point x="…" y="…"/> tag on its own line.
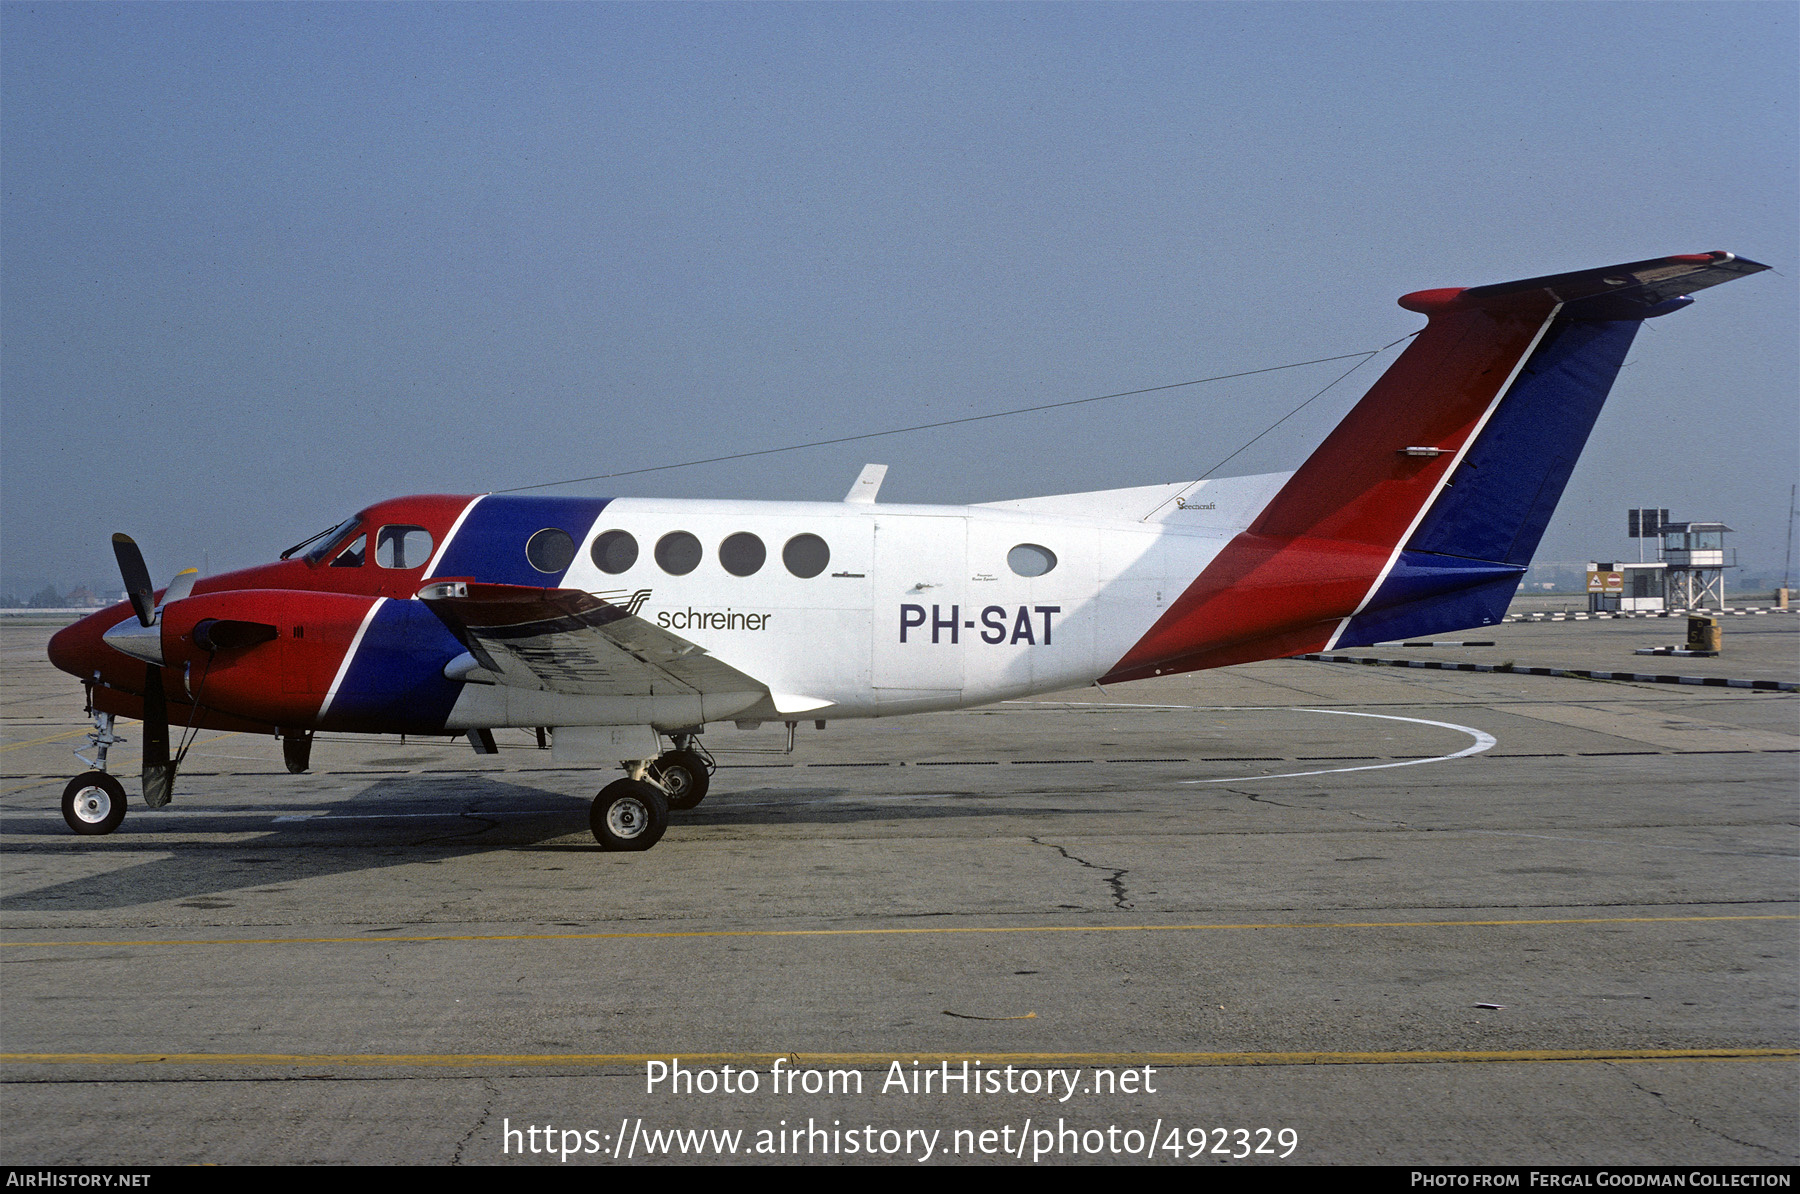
<point x="94" y="802"/>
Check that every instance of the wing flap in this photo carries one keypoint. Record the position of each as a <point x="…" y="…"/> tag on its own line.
<point x="568" y="641"/>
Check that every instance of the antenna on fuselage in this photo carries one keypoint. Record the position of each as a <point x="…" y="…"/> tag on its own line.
<point x="867" y="484"/>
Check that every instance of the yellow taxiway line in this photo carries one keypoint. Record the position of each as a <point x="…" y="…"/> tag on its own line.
<point x="40" y="741"/>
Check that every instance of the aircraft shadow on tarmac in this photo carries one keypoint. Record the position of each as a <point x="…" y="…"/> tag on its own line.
<point x="401" y="821"/>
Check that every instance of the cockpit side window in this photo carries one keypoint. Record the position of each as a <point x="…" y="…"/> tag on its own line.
<point x="336" y="539"/>
<point x="402" y="547"/>
<point x="352" y="556"/>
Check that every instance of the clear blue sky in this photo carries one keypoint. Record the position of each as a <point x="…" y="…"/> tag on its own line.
<point x="262" y="264"/>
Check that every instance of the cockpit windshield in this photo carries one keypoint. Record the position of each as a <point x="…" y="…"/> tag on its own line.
<point x="334" y="539"/>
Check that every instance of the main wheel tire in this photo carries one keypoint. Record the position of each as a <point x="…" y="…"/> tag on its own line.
<point x="629" y="814"/>
<point x="94" y="804"/>
<point x="683" y="776"/>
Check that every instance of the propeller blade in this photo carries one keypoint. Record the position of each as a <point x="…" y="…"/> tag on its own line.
<point x="231" y="634"/>
<point x="181" y="586"/>
<point x="137" y="579"/>
<point x="159" y="772"/>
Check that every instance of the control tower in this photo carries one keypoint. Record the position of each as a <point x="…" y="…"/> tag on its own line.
<point x="1695" y="554"/>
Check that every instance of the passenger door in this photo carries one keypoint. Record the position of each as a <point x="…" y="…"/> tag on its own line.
<point x="921" y="619"/>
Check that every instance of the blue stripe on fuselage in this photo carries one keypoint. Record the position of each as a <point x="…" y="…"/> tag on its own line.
<point x="396" y="684"/>
<point x="489" y="546"/>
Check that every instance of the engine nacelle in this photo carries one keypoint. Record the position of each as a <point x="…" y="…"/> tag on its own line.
<point x="282" y="678"/>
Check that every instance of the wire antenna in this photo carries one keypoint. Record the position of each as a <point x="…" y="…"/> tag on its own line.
<point x="1366" y="358"/>
<point x="1000" y="414"/>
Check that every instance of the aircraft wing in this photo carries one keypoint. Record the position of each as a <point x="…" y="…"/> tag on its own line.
<point x="565" y="640"/>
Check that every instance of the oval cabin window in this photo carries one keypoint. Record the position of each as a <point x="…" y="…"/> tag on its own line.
<point x="1029" y="559"/>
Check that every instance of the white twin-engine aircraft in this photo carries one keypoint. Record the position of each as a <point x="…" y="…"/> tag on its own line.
<point x="618" y="623"/>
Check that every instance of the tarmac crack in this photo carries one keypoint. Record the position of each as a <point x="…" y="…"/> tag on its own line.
<point x="1258" y="799"/>
<point x="1375" y="820"/>
<point x="1115" y="877"/>
<point x="1662" y="1102"/>
<point x="487" y="1111"/>
<point x="1387" y="821"/>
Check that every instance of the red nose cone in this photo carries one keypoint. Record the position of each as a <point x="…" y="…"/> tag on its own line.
<point x="78" y="649"/>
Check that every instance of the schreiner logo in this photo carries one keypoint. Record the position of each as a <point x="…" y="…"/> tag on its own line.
<point x="627" y="600"/>
<point x="711" y="619"/>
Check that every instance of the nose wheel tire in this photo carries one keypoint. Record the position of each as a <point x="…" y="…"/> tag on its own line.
<point x="683" y="776"/>
<point x="94" y="804"/>
<point x="629" y="815"/>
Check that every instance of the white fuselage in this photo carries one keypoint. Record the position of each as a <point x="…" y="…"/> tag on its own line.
<point x="918" y="608"/>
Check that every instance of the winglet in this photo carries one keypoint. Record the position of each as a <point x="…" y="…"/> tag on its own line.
<point x="867" y="484"/>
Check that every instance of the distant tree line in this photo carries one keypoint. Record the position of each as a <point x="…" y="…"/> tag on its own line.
<point x="45" y="598"/>
<point x="49" y="598"/>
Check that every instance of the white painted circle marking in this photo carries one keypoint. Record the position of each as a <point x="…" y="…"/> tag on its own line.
<point x="1483" y="741"/>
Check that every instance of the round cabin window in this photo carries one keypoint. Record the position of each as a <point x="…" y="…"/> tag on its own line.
<point x="742" y="554"/>
<point x="806" y="556"/>
<point x="615" y="552"/>
<point x="678" y="553"/>
<point x="550" y="550"/>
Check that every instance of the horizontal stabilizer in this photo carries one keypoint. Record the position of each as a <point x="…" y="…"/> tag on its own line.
<point x="1636" y="290"/>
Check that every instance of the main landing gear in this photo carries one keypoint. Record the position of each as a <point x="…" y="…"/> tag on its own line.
<point x="684" y="776"/>
<point x="633" y="813"/>
<point x="629" y="814"/>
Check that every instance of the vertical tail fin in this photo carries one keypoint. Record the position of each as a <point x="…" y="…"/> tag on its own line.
<point x="1421" y="509"/>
